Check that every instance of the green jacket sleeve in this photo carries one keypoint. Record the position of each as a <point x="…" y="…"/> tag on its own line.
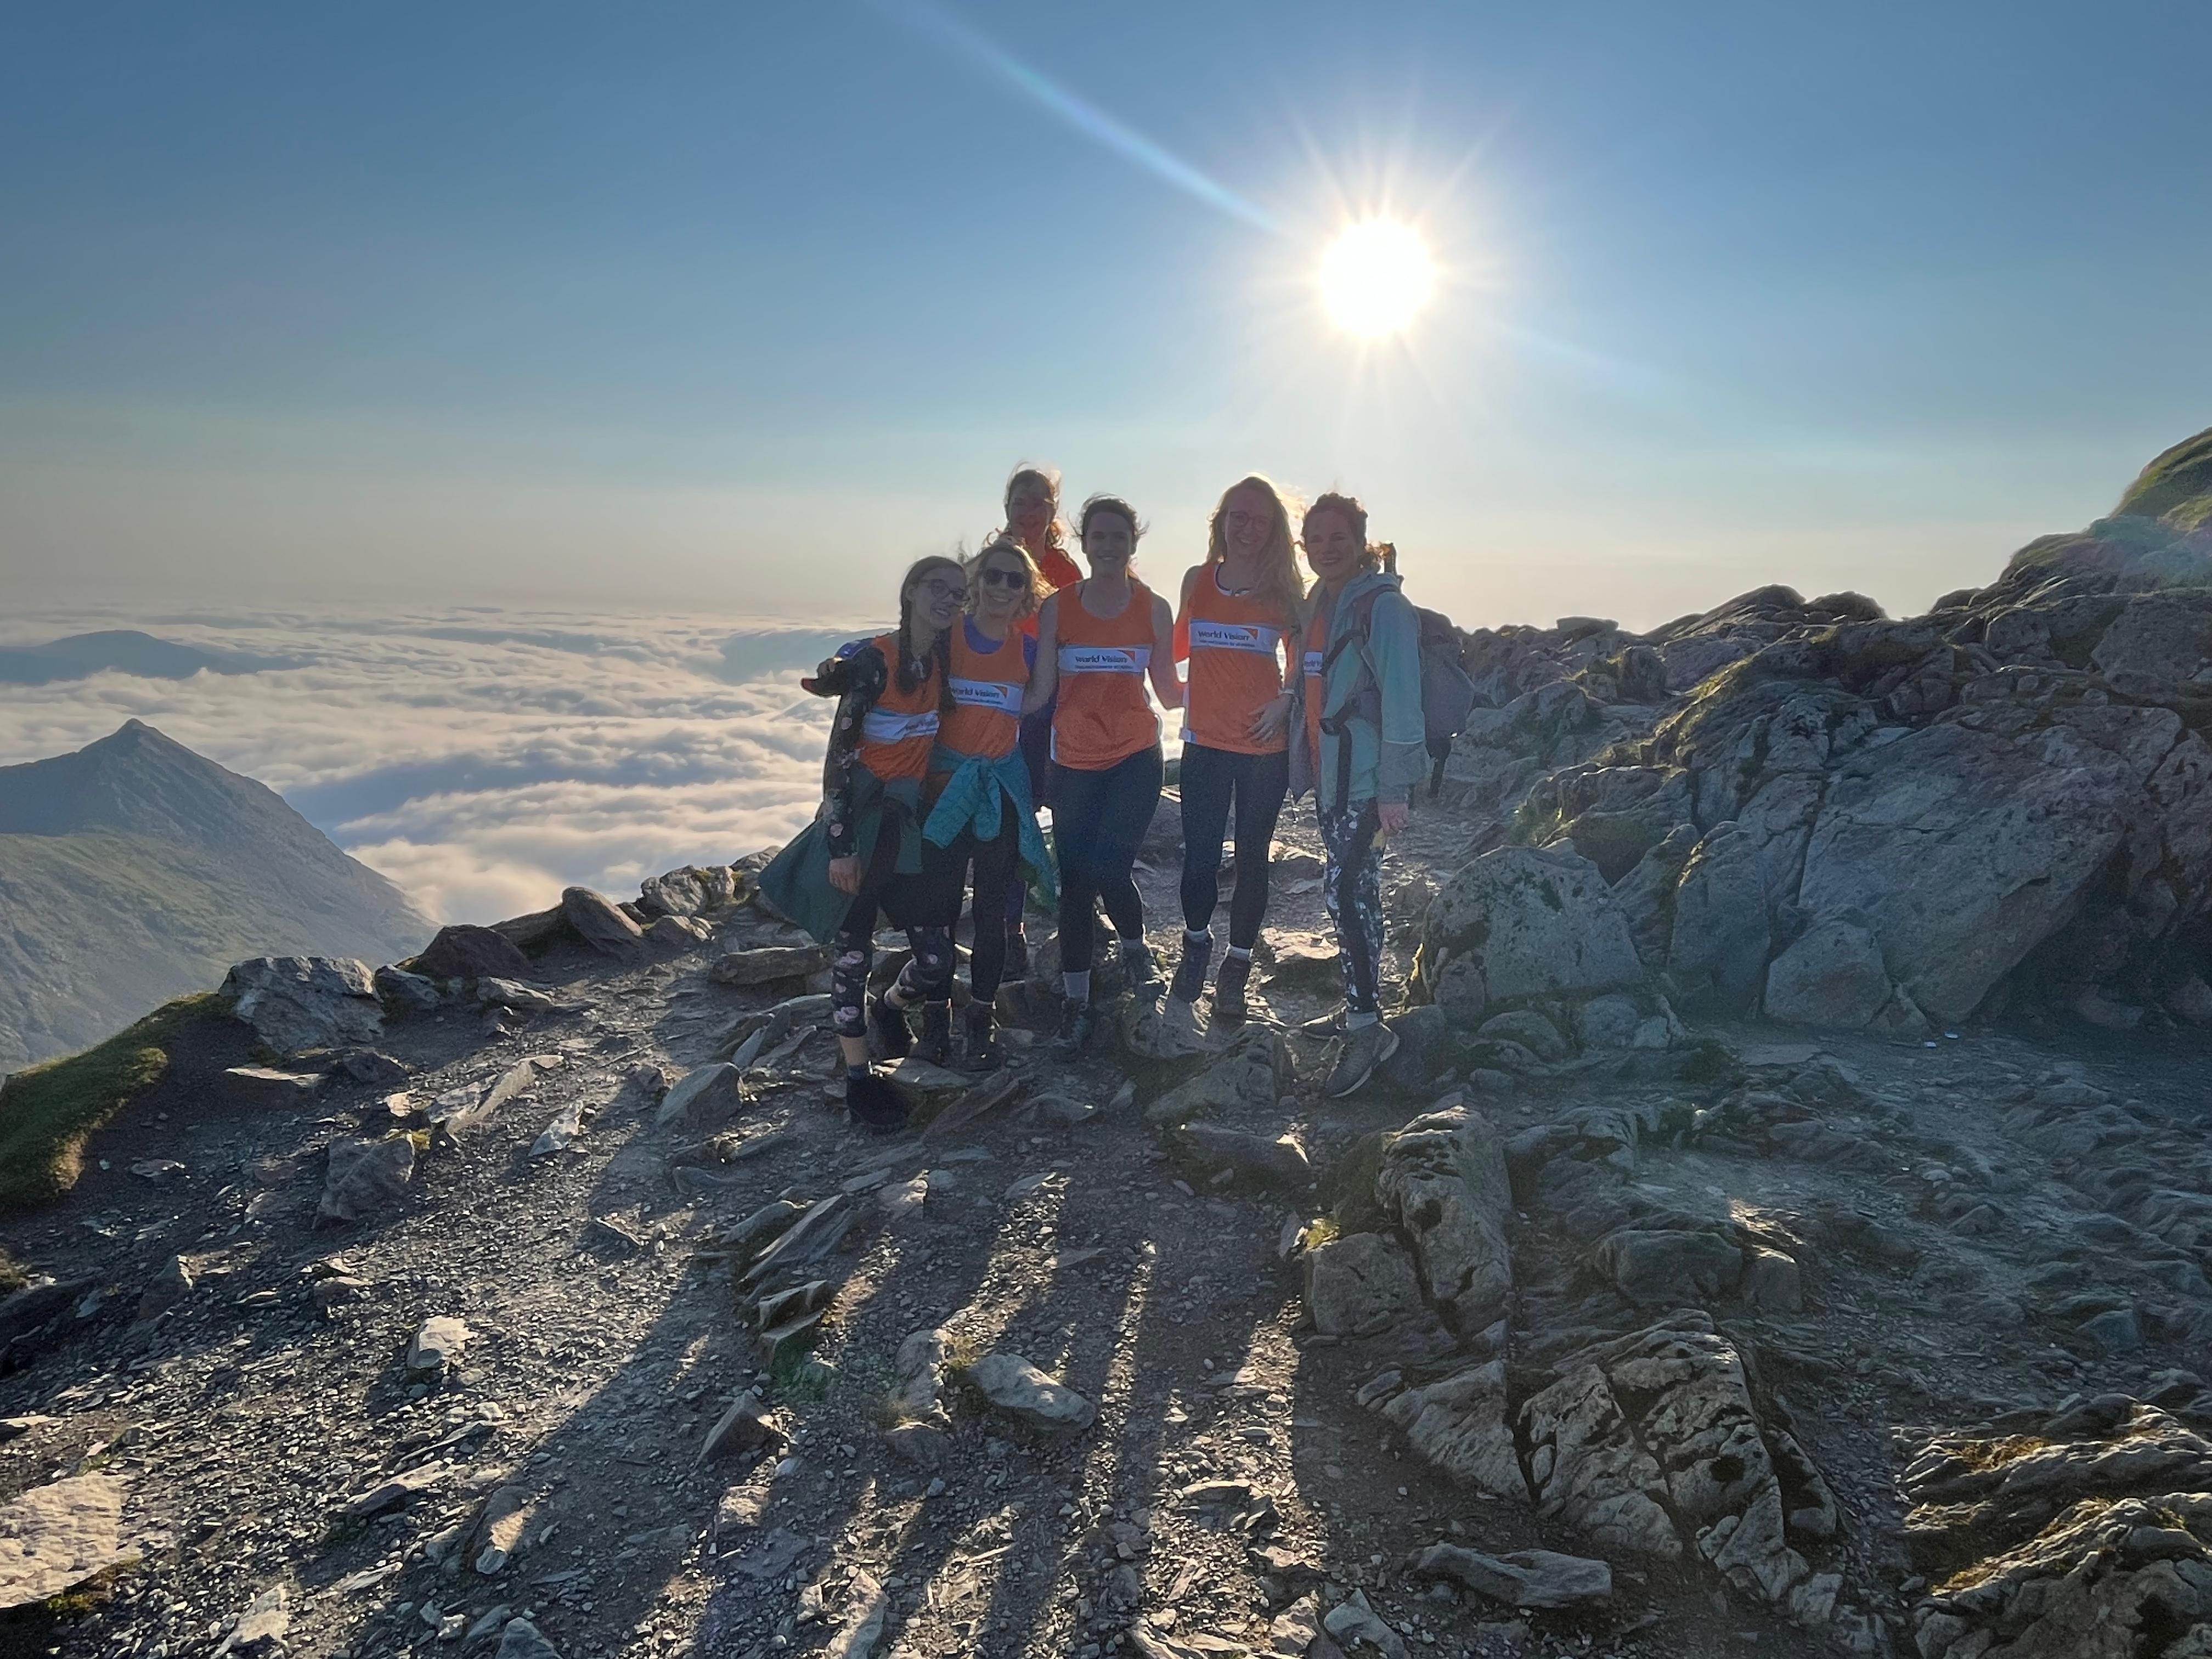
<point x="1394" y="649"/>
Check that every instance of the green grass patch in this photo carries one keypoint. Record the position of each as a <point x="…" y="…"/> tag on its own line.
<point x="2177" y="486"/>
<point x="48" y="1111"/>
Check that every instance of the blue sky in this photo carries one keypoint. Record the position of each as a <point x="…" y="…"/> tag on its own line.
<point x="743" y="305"/>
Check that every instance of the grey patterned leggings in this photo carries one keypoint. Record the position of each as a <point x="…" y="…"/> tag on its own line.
<point x="1351" y="887"/>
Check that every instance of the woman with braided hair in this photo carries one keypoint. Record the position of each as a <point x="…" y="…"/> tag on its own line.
<point x="865" y="854"/>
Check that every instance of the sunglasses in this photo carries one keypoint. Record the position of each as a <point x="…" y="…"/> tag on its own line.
<point x="1004" y="578"/>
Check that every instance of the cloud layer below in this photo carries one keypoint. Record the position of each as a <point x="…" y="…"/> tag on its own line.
<point x="481" y="759"/>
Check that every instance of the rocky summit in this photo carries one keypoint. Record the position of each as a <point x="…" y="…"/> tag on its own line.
<point x="1783" y="1228"/>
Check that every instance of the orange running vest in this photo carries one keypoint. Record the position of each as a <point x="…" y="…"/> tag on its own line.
<point x="1231" y="641"/>
<point x="897" y="734"/>
<point x="987" y="695"/>
<point x="1101" y="716"/>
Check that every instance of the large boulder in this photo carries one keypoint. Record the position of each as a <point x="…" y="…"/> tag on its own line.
<point x="1966" y="844"/>
<point x="1358" y="1285"/>
<point x="602" y="923"/>
<point x="1831" y="978"/>
<point x="1443" y="1179"/>
<point x="1718" y="952"/>
<point x="1254" y="1072"/>
<point x="460" y="951"/>
<point x="54" y="1537"/>
<point x="1523" y="921"/>
<point x="1460" y="1425"/>
<point x="297" y="1003"/>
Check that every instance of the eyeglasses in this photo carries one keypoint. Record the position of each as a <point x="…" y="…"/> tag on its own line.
<point x="1241" y="519"/>
<point x="1004" y="578"/>
<point x="939" y="589"/>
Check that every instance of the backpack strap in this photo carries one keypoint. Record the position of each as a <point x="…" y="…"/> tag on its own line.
<point x="1366" y="703"/>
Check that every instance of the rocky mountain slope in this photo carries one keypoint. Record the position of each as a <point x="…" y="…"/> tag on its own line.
<point x="134" y="870"/>
<point x="532" y="1296"/>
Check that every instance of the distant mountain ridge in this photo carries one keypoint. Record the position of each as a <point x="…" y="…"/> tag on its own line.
<point x="136" y="870"/>
<point x="124" y="651"/>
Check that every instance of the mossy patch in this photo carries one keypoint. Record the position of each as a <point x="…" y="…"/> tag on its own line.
<point x="48" y="1111"/>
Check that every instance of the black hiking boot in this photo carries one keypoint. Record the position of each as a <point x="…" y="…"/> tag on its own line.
<point x="894" y="1037"/>
<point x="981" y="1052"/>
<point x="1077" y="1023"/>
<point x="936" y="1044"/>
<point x="1141" y="973"/>
<point x="1190" y="972"/>
<point x="1228" y="990"/>
<point x="875" y="1106"/>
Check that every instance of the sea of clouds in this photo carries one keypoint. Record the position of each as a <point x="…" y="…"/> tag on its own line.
<point x="481" y="758"/>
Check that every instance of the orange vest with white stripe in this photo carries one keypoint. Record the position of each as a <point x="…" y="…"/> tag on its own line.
<point x="987" y="695"/>
<point x="1102" y="717"/>
<point x="897" y="734"/>
<point x="1232" y="641"/>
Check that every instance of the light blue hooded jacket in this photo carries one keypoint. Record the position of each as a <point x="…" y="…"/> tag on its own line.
<point x="1374" y="692"/>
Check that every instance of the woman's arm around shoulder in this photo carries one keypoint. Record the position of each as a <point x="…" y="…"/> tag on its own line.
<point x="1164" y="682"/>
<point x="1044" y="668"/>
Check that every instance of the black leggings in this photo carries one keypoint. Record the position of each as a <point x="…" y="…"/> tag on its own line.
<point x="998" y="865"/>
<point x="1259" y="783"/>
<point x="1098" y="822"/>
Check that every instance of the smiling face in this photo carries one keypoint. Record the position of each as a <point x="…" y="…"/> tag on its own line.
<point x="1247" y="517"/>
<point x="1002" y="581"/>
<point x="1109" y="542"/>
<point x="1029" y="507"/>
<point x="936" y="597"/>
<point x="1333" y="547"/>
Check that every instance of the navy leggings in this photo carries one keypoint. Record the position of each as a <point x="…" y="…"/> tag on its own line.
<point x="1258" y="782"/>
<point x="1098" y="822"/>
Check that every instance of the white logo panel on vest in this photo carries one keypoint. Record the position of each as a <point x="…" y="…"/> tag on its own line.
<point x="881" y="725"/>
<point x="1105" y="659"/>
<point x="988" y="693"/>
<point x="1208" y="635"/>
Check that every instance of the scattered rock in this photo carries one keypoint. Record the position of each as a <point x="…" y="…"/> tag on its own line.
<point x="461" y="952"/>
<point x="520" y="1639"/>
<point x="498" y="1537"/>
<point x="438" y="1343"/>
<point x="263" y="1085"/>
<point x="768" y="964"/>
<point x="297" y="1003"/>
<point x="54" y="1537"/>
<point x="401" y="1489"/>
<point x="745" y="1429"/>
<point x="1277" y="1162"/>
<point x="166" y="1289"/>
<point x="1256" y="1070"/>
<point x="366" y="1177"/>
<point x="403" y="992"/>
<point x="1460" y="1425"/>
<point x="867" y="1605"/>
<point x="602" y="924"/>
<point x="701" y="1098"/>
<point x="1359" y="1284"/>
<point x="1023" y="1392"/>
<point x="261" y="1630"/>
<point x="1524" y="1578"/>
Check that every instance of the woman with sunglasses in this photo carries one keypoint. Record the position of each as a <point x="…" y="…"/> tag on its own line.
<point x="1098" y="643"/>
<point x="984" y="817"/>
<point x="863" y="854"/>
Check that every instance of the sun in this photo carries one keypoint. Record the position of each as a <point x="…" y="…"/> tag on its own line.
<point x="1376" y="278"/>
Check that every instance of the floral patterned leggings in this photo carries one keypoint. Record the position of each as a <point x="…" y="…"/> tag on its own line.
<point x="928" y="976"/>
<point x="1351" y="887"/>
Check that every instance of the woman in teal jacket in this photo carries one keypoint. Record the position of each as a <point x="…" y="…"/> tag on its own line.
<point x="1360" y="744"/>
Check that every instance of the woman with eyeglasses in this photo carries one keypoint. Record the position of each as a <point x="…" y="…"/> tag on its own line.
<point x="864" y="852"/>
<point x="984" y="817"/>
<point x="1239" y="610"/>
<point x="1098" y="643"/>
<point x="1031" y="504"/>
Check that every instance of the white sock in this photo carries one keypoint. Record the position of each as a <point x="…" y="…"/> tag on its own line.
<point x="1077" y="985"/>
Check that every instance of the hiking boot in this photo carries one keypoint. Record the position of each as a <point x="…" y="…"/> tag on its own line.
<point x="1078" y="1022"/>
<point x="1138" y="968"/>
<point x="981" y="1052"/>
<point x="1190" y="972"/>
<point x="874" y="1105"/>
<point x="1228" y="990"/>
<point x="936" y="1044"/>
<point x="888" y="1026"/>
<point x="1017" y="954"/>
<point x="1366" y="1047"/>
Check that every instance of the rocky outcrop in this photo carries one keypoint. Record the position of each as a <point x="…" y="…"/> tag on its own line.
<point x="297" y="1003"/>
<point x="1521" y="923"/>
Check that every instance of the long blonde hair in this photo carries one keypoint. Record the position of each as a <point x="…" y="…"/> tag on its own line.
<point x="1279" y="580"/>
<point x="1036" y="594"/>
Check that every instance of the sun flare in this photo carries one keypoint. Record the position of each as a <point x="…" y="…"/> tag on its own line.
<point x="1376" y="278"/>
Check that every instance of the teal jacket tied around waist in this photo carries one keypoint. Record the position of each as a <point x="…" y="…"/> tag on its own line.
<point x="973" y="800"/>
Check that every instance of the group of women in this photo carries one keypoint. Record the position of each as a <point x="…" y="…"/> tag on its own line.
<point x="1015" y="680"/>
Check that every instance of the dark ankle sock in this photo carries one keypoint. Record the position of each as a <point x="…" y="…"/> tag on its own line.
<point x="852" y="1072"/>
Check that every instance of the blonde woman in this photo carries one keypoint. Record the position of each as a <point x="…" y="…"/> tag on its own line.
<point x="1241" y="610"/>
<point x="984" y="817"/>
